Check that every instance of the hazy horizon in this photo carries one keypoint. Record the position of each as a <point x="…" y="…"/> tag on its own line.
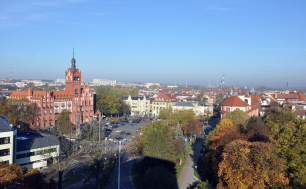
<point x="254" y="43"/>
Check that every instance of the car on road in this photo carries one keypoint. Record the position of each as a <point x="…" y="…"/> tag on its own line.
<point x="132" y="124"/>
<point x="122" y="132"/>
<point x="115" y="126"/>
<point x="118" y="131"/>
<point x="118" y="138"/>
<point x="128" y="133"/>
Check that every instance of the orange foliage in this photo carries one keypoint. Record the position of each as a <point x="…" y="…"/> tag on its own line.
<point x="219" y="140"/>
<point x="10" y="175"/>
<point x="191" y="127"/>
<point x="251" y="165"/>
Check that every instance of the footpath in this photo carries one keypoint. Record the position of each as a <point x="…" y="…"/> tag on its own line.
<point x="187" y="177"/>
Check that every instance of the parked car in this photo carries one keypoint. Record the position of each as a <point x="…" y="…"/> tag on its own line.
<point x="118" y="138"/>
<point x="118" y="131"/>
<point x="122" y="132"/>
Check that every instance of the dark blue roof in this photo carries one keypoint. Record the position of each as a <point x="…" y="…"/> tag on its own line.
<point x="5" y="125"/>
<point x="33" y="140"/>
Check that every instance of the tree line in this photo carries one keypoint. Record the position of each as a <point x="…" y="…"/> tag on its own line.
<point x="108" y="100"/>
<point x="163" y="144"/>
<point x="250" y="152"/>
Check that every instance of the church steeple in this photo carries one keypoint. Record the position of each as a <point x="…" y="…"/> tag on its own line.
<point x="73" y="66"/>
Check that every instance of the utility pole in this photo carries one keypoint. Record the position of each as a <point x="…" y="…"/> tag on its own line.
<point x="119" y="142"/>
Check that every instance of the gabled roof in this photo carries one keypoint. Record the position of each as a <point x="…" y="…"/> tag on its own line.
<point x="61" y="94"/>
<point x="284" y="96"/>
<point x="19" y="93"/>
<point x="234" y="101"/>
<point x="185" y="104"/>
<point x="301" y="96"/>
<point x="5" y="125"/>
<point x="255" y="99"/>
<point x="165" y="98"/>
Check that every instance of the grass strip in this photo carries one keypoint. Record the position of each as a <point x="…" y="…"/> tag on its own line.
<point x="71" y="179"/>
<point x="136" y="175"/>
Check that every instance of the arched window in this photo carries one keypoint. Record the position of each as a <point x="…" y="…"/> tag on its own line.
<point x="76" y="91"/>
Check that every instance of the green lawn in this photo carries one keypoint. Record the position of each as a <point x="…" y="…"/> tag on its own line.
<point x="136" y="175"/>
<point x="71" y="179"/>
<point x="87" y="186"/>
<point x="180" y="167"/>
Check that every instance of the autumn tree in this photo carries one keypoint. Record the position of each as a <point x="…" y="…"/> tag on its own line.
<point x="288" y="134"/>
<point x="201" y="100"/>
<point x="64" y="123"/>
<point x="108" y="104"/>
<point x="220" y="98"/>
<point x="254" y="119"/>
<point x="192" y="127"/>
<point x="160" y="144"/>
<point x="251" y="165"/>
<point x="238" y="117"/>
<point x="13" y="176"/>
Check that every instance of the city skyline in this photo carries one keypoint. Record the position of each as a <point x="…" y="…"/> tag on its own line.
<point x="254" y="43"/>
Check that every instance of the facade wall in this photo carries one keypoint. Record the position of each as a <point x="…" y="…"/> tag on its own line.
<point x="157" y="106"/>
<point x="39" y="159"/>
<point x="11" y="146"/>
<point x="49" y="104"/>
<point x="138" y="107"/>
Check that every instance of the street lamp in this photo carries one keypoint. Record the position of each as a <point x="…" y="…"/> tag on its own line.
<point x="119" y="142"/>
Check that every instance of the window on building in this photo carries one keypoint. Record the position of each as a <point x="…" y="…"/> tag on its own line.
<point x="5" y="140"/>
<point x="4" y="152"/>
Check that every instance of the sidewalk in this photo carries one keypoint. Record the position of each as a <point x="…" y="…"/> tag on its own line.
<point x="187" y="178"/>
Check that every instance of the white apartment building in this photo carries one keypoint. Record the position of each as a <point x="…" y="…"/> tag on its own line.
<point x="104" y="82"/>
<point x="7" y="138"/>
<point x="28" y="149"/>
<point x="33" y="149"/>
<point x="140" y="105"/>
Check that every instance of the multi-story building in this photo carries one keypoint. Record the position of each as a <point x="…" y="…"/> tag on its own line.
<point x="33" y="149"/>
<point x="28" y="149"/>
<point x="140" y="105"/>
<point x="7" y="138"/>
<point x="198" y="110"/>
<point x="49" y="104"/>
<point x="163" y="101"/>
<point x="104" y="82"/>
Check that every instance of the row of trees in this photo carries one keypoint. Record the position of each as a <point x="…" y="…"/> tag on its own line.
<point x="108" y="100"/>
<point x="14" y="176"/>
<point x="163" y="144"/>
<point x="117" y="92"/>
<point x="18" y="111"/>
<point x="248" y="152"/>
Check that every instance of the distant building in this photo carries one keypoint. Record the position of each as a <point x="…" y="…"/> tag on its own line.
<point x="104" y="82"/>
<point x="62" y="81"/>
<point x="140" y="105"/>
<point x="163" y="101"/>
<point x="198" y="110"/>
<point x="77" y="100"/>
<point x="246" y="103"/>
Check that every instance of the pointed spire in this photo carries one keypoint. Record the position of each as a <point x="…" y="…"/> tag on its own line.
<point x="73" y="52"/>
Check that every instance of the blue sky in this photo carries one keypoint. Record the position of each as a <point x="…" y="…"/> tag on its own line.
<point x="252" y="42"/>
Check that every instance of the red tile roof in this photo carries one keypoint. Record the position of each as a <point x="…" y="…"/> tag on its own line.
<point x="234" y="101"/>
<point x="284" y="96"/>
<point x="165" y="98"/>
